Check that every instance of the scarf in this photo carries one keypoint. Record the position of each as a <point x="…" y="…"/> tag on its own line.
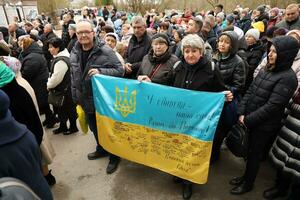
<point x="6" y="75"/>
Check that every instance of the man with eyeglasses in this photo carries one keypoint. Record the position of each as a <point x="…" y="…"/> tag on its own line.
<point x="89" y="57"/>
<point x="139" y="45"/>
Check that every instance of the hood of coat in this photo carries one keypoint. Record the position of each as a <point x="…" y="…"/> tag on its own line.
<point x="287" y="49"/>
<point x="234" y="41"/>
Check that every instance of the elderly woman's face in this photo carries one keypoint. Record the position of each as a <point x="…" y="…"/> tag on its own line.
<point x="191" y="55"/>
<point x="159" y="48"/>
<point x="111" y="41"/>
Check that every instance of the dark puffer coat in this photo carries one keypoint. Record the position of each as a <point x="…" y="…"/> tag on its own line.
<point x="199" y="77"/>
<point x="102" y="58"/>
<point x="35" y="71"/>
<point x="254" y="55"/>
<point x="159" y="70"/>
<point x="232" y="67"/>
<point x="264" y="103"/>
<point x="285" y="153"/>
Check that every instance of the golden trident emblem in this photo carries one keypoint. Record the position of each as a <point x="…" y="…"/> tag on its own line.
<point x="122" y="103"/>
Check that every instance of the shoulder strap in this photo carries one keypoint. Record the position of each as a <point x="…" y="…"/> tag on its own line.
<point x="176" y="64"/>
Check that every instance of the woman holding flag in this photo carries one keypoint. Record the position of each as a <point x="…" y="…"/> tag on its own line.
<point x="194" y="72"/>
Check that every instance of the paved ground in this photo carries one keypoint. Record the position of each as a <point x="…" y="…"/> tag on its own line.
<point x="81" y="179"/>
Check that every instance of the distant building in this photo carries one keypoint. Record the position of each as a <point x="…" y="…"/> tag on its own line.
<point x="23" y="9"/>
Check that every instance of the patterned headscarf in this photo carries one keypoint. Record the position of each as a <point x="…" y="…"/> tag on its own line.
<point x="13" y="63"/>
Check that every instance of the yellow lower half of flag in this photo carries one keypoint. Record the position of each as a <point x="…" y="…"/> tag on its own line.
<point x="177" y="154"/>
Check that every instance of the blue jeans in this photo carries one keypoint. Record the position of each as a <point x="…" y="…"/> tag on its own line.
<point x="91" y="119"/>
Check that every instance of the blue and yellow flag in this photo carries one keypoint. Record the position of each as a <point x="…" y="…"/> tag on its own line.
<point x="163" y="127"/>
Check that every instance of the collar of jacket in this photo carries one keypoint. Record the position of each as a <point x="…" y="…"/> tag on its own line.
<point x="145" y="35"/>
<point x="199" y="65"/>
<point x="96" y="46"/>
<point x="161" y="59"/>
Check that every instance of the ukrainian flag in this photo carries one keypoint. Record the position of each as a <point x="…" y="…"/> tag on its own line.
<point x="166" y="128"/>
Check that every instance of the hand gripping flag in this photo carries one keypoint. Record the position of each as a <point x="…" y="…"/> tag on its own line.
<point x="166" y="128"/>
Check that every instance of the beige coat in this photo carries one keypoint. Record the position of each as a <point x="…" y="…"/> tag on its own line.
<point x="47" y="149"/>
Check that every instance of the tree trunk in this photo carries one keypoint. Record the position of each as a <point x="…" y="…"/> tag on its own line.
<point x="48" y="7"/>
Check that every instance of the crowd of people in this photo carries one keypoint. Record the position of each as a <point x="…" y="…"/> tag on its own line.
<point x="252" y="55"/>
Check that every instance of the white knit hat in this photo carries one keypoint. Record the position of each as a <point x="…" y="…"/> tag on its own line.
<point x="254" y="33"/>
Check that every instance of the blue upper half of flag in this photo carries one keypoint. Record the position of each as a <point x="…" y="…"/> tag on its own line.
<point x="160" y="107"/>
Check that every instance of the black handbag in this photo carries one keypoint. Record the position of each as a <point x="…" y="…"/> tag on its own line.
<point x="56" y="98"/>
<point x="237" y="140"/>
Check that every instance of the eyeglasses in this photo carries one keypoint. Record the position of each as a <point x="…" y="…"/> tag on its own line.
<point x="81" y="33"/>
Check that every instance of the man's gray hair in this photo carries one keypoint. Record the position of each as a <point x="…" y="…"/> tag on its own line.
<point x="193" y="41"/>
<point x="138" y="20"/>
<point x="88" y="21"/>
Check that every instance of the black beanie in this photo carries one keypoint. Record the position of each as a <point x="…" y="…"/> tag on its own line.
<point x="163" y="36"/>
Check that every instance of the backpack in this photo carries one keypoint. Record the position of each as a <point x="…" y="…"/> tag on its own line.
<point x="14" y="189"/>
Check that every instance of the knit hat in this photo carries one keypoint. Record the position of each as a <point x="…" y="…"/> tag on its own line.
<point x="280" y="31"/>
<point x="6" y="74"/>
<point x="259" y="25"/>
<point x="221" y="15"/>
<point x="230" y="18"/>
<point x="254" y="33"/>
<point x="163" y="36"/>
<point x="275" y="10"/>
<point x="180" y="33"/>
<point x="11" y="62"/>
<point x="261" y="8"/>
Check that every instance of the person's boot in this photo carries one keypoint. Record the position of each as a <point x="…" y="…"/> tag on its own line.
<point x="113" y="164"/>
<point x="97" y="154"/>
<point x="273" y="193"/>
<point x="236" y="181"/>
<point x="73" y="128"/>
<point x="61" y="129"/>
<point x="187" y="190"/>
<point x="51" y="122"/>
<point x="50" y="178"/>
<point x="242" y="189"/>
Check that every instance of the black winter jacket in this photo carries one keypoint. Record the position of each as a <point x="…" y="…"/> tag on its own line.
<point x="254" y="55"/>
<point x="159" y="70"/>
<point x="264" y="102"/>
<point x="285" y="152"/>
<point x="199" y="77"/>
<point x="135" y="53"/>
<point x="245" y="23"/>
<point x="232" y="67"/>
<point x="35" y="71"/>
<point x="65" y="32"/>
<point x="102" y="58"/>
